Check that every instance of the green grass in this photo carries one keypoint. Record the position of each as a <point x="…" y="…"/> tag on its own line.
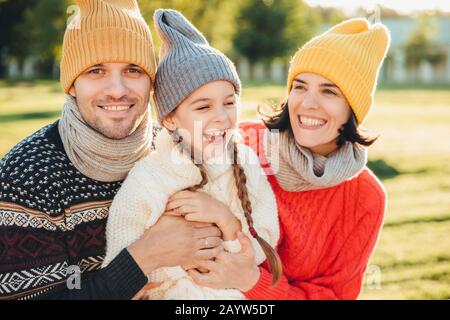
<point x="25" y="107"/>
<point x="412" y="156"/>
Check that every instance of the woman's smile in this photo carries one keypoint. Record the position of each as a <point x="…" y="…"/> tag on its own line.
<point x="311" y="123"/>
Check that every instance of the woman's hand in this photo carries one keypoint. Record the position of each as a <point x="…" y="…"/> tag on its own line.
<point x="230" y="270"/>
<point x="201" y="207"/>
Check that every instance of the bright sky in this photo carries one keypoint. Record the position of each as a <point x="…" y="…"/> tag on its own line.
<point x="403" y="6"/>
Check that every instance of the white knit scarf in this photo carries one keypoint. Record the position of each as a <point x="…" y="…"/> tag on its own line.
<point x="296" y="168"/>
<point x="95" y="155"/>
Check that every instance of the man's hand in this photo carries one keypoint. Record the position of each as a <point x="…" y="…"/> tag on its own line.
<point x="230" y="270"/>
<point x="172" y="241"/>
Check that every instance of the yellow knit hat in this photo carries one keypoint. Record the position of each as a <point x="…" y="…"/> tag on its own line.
<point x="350" y="55"/>
<point x="106" y="31"/>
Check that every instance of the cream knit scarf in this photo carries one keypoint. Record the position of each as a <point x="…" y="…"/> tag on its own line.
<point x="95" y="155"/>
<point x="298" y="169"/>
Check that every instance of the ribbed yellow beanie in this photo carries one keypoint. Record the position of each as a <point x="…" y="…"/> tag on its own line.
<point x="350" y="54"/>
<point x="106" y="31"/>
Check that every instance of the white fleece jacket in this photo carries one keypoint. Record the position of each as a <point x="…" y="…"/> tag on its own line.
<point x="144" y="194"/>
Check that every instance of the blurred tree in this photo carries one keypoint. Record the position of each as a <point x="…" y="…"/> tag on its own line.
<point x="45" y="23"/>
<point x="13" y="40"/>
<point x="260" y="30"/>
<point x="390" y="13"/>
<point x="214" y="18"/>
<point x="329" y="15"/>
<point x="421" y="44"/>
<point x="268" y="29"/>
<point x="33" y="29"/>
<point x="378" y="12"/>
<point x="36" y="28"/>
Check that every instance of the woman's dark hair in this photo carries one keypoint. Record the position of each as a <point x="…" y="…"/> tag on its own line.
<point x="278" y="119"/>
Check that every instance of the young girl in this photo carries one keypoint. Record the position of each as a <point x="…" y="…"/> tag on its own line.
<point x="196" y="94"/>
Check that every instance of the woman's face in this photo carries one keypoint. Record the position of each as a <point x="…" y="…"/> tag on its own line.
<point x="317" y="110"/>
<point x="206" y="119"/>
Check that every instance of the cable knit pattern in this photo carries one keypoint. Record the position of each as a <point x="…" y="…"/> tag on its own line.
<point x="144" y="195"/>
<point x="327" y="235"/>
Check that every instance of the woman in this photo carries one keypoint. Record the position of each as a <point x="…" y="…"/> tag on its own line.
<point x="314" y="152"/>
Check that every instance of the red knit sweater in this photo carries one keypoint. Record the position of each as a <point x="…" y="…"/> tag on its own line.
<point x="327" y="235"/>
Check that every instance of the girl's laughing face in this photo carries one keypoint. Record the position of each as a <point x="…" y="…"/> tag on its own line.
<point x="206" y="119"/>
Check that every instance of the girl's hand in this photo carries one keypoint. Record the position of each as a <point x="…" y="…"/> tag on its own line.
<point x="201" y="207"/>
<point x="142" y="294"/>
<point x="230" y="270"/>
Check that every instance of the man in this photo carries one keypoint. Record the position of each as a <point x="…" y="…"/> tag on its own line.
<point x="56" y="186"/>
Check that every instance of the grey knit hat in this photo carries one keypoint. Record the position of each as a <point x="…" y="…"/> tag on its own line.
<point x="187" y="62"/>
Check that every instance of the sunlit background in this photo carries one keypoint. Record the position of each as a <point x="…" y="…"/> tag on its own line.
<point x="411" y="112"/>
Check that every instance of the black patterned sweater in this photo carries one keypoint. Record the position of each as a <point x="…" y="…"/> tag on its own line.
<point x="53" y="217"/>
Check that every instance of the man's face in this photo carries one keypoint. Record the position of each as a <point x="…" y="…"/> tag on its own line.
<point x="112" y="97"/>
